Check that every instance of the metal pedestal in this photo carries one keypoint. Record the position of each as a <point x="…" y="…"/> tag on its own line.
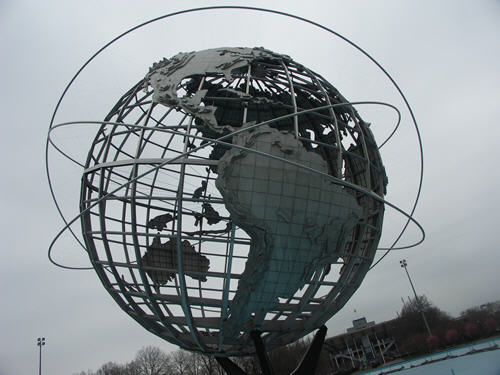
<point x="307" y="365"/>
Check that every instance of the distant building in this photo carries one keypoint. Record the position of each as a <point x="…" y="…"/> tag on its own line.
<point x="492" y="306"/>
<point x="360" y="323"/>
<point x="364" y="345"/>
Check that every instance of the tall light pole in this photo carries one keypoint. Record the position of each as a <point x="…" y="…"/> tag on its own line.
<point x="404" y="265"/>
<point x="40" y="343"/>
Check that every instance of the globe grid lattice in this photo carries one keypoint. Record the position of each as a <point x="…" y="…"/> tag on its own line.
<point x="224" y="193"/>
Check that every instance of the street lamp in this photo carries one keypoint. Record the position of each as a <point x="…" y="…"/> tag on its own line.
<point x="40" y="343"/>
<point x="404" y="265"/>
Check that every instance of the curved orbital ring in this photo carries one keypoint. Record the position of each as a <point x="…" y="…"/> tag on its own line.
<point x="53" y="126"/>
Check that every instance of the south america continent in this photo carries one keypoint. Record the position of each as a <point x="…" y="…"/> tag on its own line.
<point x="298" y="220"/>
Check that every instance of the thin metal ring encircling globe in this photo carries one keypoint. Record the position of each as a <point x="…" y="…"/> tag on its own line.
<point x="222" y="181"/>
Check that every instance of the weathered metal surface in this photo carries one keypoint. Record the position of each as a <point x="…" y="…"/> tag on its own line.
<point x="212" y="200"/>
<point x="297" y="220"/>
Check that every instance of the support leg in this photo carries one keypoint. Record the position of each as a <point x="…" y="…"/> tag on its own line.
<point x="229" y="366"/>
<point x="307" y="365"/>
<point x="309" y="362"/>
<point x="260" y="349"/>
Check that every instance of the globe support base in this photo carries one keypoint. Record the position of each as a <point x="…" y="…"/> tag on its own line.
<point x="307" y="365"/>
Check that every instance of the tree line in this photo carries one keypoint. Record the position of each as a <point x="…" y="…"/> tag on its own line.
<point x="408" y="329"/>
<point x="446" y="331"/>
<point x="151" y="360"/>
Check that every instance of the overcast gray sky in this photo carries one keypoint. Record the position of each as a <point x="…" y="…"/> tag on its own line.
<point x="444" y="54"/>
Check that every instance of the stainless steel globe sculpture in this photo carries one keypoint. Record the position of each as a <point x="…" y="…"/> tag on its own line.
<point x="231" y="190"/>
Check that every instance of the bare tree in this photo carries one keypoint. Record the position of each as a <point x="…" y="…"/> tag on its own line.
<point x="209" y="366"/>
<point x="132" y="368"/>
<point x="110" y="368"/>
<point x="151" y="361"/>
<point x="410" y="320"/>
<point x="180" y="363"/>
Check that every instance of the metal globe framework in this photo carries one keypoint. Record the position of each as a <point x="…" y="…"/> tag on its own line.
<point x="158" y="230"/>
